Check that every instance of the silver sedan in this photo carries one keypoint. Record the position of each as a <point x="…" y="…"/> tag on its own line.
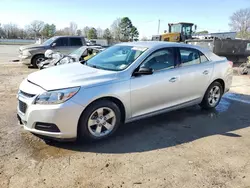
<point x="125" y="82"/>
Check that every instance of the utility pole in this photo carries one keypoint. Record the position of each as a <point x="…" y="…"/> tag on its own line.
<point x="159" y="24"/>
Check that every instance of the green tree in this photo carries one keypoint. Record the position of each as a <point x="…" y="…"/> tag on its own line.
<point x="125" y="27"/>
<point x="92" y="34"/>
<point x="134" y="34"/>
<point x="79" y="32"/>
<point x="48" y="30"/>
<point x="107" y="35"/>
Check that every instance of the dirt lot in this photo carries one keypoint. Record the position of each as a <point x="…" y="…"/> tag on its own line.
<point x="185" y="148"/>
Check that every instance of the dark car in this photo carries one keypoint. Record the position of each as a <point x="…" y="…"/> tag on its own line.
<point x="34" y="54"/>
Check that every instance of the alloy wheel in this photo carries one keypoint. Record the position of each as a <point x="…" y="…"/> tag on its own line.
<point x="214" y="95"/>
<point x="101" y="122"/>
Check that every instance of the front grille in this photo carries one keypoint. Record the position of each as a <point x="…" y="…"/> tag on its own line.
<point x="22" y="106"/>
<point x="28" y="95"/>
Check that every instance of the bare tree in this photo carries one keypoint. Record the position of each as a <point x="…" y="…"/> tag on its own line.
<point x="99" y="32"/>
<point x="85" y="31"/>
<point x="240" y="22"/>
<point x="63" y="32"/>
<point x="144" y="38"/>
<point x="2" y="33"/>
<point x="11" y="31"/>
<point x="36" y="27"/>
<point x="73" y="28"/>
<point x="116" y="30"/>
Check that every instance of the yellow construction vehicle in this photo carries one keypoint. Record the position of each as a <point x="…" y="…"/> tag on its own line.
<point x="177" y="32"/>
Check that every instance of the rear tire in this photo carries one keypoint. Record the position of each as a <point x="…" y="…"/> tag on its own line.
<point x="37" y="59"/>
<point x="99" y="121"/>
<point x="212" y="96"/>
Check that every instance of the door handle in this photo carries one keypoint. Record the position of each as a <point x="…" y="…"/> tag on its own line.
<point x="206" y="72"/>
<point x="173" y="79"/>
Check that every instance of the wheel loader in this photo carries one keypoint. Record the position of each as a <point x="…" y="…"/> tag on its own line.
<point x="177" y="32"/>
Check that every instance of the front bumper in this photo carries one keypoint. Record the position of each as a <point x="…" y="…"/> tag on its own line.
<point x="64" y="116"/>
<point x="25" y="59"/>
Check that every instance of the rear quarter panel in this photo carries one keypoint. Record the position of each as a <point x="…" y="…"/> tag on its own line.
<point x="223" y="70"/>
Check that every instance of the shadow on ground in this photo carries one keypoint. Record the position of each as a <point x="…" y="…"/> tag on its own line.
<point x="171" y="129"/>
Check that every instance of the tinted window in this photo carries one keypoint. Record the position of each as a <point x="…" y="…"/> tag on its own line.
<point x="62" y="42"/>
<point x="203" y="58"/>
<point x="189" y="56"/>
<point x="161" y="59"/>
<point x="75" y="42"/>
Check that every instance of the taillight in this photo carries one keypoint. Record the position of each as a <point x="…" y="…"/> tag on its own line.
<point x="231" y="63"/>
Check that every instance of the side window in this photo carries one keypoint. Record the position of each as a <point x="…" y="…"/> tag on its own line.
<point x="189" y="56"/>
<point x="161" y="59"/>
<point x="203" y="58"/>
<point x="75" y="41"/>
<point x="62" y="42"/>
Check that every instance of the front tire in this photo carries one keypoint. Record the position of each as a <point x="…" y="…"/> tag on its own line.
<point x="99" y="121"/>
<point x="212" y="96"/>
<point x="37" y="59"/>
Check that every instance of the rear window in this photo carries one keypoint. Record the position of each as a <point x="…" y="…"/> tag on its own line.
<point x="189" y="56"/>
<point x="75" y="42"/>
<point x="203" y="58"/>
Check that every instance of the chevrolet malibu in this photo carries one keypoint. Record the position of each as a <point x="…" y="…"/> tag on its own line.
<point x="125" y="82"/>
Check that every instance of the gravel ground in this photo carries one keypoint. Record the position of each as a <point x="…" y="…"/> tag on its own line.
<point x="184" y="148"/>
<point x="8" y="53"/>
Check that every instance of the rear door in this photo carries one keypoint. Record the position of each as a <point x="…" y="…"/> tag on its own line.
<point x="74" y="43"/>
<point x="195" y="73"/>
<point x="62" y="45"/>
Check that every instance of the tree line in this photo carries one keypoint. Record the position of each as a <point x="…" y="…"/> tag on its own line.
<point x="121" y="29"/>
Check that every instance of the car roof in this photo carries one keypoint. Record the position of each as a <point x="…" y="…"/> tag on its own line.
<point x="161" y="44"/>
<point x="68" y="36"/>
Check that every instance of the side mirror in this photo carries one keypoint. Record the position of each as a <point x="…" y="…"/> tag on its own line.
<point x="54" y="44"/>
<point x="143" y="71"/>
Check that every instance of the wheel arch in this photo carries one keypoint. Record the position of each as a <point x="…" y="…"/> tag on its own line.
<point x="221" y="81"/>
<point x="117" y="101"/>
<point x="36" y="56"/>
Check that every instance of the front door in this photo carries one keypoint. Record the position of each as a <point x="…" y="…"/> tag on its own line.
<point x="154" y="92"/>
<point x="196" y="71"/>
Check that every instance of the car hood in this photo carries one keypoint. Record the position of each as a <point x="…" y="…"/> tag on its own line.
<point x="70" y="75"/>
<point x="31" y="46"/>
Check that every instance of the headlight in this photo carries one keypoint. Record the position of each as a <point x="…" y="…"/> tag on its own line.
<point x="26" y="53"/>
<point x="57" y="96"/>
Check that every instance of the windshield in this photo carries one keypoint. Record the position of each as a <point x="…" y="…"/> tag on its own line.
<point x="116" y="58"/>
<point x="78" y="52"/>
<point x="176" y="28"/>
<point x="49" y="41"/>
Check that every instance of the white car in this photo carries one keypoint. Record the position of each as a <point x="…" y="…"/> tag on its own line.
<point x="123" y="83"/>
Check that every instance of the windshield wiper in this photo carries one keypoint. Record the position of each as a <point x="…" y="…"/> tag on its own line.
<point x="84" y="62"/>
